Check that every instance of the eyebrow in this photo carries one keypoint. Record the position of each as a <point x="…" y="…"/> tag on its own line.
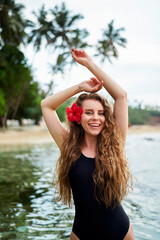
<point x="87" y="109"/>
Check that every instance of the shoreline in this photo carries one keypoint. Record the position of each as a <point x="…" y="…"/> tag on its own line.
<point x="143" y="129"/>
<point x="29" y="135"/>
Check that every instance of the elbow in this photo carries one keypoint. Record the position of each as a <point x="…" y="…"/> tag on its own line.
<point x="124" y="95"/>
<point x="45" y="104"/>
<point x="42" y="103"/>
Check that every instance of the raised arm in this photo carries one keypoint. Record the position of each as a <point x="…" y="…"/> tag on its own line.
<point x="50" y="104"/>
<point x="113" y="88"/>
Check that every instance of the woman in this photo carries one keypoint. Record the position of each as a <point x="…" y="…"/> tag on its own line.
<point x="92" y="165"/>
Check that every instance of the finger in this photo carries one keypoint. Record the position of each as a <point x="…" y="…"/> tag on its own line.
<point x="94" y="80"/>
<point x="83" y="52"/>
<point x="99" y="86"/>
<point x="74" y="55"/>
<point x="73" y="52"/>
<point x="98" y="80"/>
<point x="76" y="51"/>
<point x="102" y="83"/>
<point x="79" y="51"/>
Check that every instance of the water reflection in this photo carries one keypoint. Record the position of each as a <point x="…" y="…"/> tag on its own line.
<point x="26" y="199"/>
<point x="27" y="210"/>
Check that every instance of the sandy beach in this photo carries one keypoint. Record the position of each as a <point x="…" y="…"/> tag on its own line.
<point x="25" y="135"/>
<point x="143" y="129"/>
<point x="39" y="134"/>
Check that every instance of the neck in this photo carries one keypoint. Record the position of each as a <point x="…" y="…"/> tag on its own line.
<point x="90" y="142"/>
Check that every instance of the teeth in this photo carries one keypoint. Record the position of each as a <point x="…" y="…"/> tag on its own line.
<point x="94" y="125"/>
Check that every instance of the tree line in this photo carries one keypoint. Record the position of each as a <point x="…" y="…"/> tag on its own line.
<point x="57" y="28"/>
<point x="139" y="115"/>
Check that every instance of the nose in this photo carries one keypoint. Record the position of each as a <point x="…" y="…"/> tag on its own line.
<point x="95" y="116"/>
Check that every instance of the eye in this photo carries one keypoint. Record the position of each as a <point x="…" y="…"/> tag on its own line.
<point x="101" y="113"/>
<point x="88" y="113"/>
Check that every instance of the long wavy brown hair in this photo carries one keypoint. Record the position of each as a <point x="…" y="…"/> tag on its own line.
<point x="112" y="177"/>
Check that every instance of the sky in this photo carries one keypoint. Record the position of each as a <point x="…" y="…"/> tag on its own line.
<point x="137" y="69"/>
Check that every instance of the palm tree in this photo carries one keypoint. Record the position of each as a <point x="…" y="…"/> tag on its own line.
<point x="44" y="31"/>
<point x="106" y="47"/>
<point x="65" y="33"/>
<point x="12" y="25"/>
<point x="60" y="33"/>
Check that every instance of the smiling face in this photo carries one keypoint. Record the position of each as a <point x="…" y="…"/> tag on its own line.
<point x="92" y="119"/>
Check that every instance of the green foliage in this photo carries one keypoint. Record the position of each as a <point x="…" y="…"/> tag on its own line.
<point x="30" y="106"/>
<point x="40" y="30"/>
<point x="154" y="113"/>
<point x="106" y="47"/>
<point x="139" y="116"/>
<point x="12" y="24"/>
<point x="2" y="103"/>
<point x="18" y="90"/>
<point x="61" y="111"/>
<point x="60" y="32"/>
<point x="14" y="73"/>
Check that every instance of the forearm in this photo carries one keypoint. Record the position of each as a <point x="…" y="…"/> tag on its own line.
<point x="113" y="88"/>
<point x="57" y="99"/>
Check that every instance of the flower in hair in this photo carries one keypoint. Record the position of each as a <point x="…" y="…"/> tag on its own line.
<point x="74" y="113"/>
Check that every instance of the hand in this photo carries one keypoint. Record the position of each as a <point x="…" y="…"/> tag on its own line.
<point x="80" y="56"/>
<point x="92" y="85"/>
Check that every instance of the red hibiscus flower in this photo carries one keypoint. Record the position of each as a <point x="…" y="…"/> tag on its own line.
<point x="74" y="113"/>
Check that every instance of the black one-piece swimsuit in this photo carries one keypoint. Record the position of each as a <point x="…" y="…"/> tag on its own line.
<point x="93" y="221"/>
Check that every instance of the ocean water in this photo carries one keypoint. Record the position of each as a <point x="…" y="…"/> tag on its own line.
<point x="27" y="210"/>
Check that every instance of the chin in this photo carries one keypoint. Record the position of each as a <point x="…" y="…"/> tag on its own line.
<point x="94" y="134"/>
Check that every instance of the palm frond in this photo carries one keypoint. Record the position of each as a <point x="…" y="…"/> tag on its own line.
<point x="106" y="48"/>
<point x="74" y="18"/>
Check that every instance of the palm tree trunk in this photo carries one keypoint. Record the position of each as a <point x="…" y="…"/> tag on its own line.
<point x="4" y="118"/>
<point x="18" y="102"/>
